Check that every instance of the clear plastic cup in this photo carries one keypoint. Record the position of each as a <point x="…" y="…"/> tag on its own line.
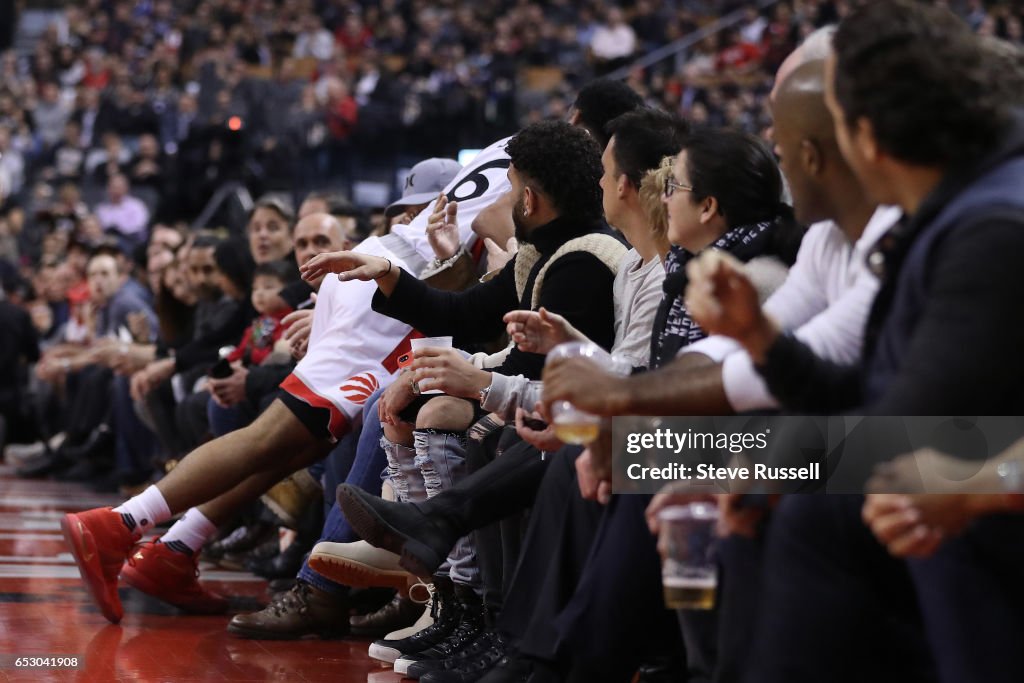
<point x="572" y="425"/>
<point x="430" y="343"/>
<point x="689" y="574"/>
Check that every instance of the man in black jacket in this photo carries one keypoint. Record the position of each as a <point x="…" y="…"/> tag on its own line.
<point x="925" y="122"/>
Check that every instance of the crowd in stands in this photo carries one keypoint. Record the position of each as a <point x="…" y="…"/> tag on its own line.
<point x="863" y="261"/>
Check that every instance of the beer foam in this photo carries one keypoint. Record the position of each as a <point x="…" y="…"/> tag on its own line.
<point x="689" y="581"/>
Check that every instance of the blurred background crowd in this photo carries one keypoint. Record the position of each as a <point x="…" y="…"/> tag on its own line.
<point x="127" y="127"/>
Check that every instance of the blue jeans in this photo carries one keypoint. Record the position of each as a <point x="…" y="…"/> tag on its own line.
<point x="365" y="473"/>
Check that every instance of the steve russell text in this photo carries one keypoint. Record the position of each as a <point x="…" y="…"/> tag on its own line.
<point x="679" y="472"/>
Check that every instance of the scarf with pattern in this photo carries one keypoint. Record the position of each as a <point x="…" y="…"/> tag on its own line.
<point x="673" y="327"/>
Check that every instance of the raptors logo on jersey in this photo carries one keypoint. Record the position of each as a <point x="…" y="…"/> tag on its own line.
<point x="359" y="388"/>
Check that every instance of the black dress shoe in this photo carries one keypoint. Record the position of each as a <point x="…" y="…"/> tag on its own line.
<point x="99" y="443"/>
<point x="422" y="543"/>
<point x="43" y="465"/>
<point x="364" y="601"/>
<point x="395" y="615"/>
<point x="241" y="540"/>
<point x="286" y="563"/>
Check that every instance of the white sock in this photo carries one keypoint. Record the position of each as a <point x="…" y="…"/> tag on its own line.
<point x="191" y="531"/>
<point x="143" y="511"/>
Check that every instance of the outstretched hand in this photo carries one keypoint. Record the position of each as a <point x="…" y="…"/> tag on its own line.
<point x="349" y="265"/>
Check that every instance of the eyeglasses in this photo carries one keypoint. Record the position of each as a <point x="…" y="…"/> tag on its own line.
<point x="671" y="186"/>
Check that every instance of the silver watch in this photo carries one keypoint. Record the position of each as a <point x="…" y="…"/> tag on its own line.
<point x="484" y="393"/>
<point x="1011" y="476"/>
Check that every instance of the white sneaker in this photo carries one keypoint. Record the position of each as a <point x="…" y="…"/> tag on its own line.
<point x="382" y="653"/>
<point x="18" y="454"/>
<point x="358" y="564"/>
<point x="402" y="665"/>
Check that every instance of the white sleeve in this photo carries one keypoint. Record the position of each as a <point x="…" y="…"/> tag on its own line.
<point x="802" y="295"/>
<point x="715" y="347"/>
<point x="837" y="333"/>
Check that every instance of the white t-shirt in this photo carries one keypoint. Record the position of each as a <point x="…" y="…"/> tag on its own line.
<point x="826" y="299"/>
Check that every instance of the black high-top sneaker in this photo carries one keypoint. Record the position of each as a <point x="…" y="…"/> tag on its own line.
<point x="472" y="663"/>
<point x="470" y="628"/>
<point x="447" y="613"/>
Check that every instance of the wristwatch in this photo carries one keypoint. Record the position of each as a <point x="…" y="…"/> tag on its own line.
<point x="484" y="393"/>
<point x="438" y="264"/>
<point x="1011" y="476"/>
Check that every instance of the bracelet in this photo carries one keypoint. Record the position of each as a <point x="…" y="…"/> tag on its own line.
<point x="386" y="271"/>
<point x="438" y="264"/>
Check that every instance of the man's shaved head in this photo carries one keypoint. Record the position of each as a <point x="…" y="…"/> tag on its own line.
<point x="816" y="47"/>
<point x="800" y="103"/>
<point x="805" y="140"/>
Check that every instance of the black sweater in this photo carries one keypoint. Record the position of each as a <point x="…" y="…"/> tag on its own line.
<point x="578" y="286"/>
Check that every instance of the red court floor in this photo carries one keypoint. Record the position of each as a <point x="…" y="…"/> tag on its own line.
<point x="45" y="610"/>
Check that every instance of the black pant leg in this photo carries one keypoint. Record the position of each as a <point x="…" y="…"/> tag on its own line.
<point x="836" y="606"/>
<point x="972" y="597"/>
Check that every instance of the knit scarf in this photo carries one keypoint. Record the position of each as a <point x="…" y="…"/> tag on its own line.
<point x="673" y="327"/>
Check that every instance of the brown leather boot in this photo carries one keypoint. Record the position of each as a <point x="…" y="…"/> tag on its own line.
<point x="301" y="612"/>
<point x="398" y="613"/>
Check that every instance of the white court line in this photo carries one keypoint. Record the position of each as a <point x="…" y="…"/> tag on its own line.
<point x="15" y="536"/>
<point x="62" y="503"/>
<point x="60" y="558"/>
<point x="57" y="571"/>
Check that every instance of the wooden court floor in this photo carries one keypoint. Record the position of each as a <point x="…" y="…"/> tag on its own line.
<point x="45" y="610"/>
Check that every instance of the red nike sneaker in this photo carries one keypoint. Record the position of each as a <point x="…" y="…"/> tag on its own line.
<point x="100" y="543"/>
<point x="171" y="576"/>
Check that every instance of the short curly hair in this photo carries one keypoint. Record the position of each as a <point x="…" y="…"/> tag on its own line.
<point x="923" y="80"/>
<point x="564" y="162"/>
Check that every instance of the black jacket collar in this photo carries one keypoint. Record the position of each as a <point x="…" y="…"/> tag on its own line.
<point x="552" y="235"/>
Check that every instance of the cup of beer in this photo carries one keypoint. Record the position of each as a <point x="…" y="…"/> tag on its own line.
<point x="572" y="425"/>
<point x="689" y="573"/>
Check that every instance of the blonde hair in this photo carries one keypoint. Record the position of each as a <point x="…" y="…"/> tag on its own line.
<point x="652" y="188"/>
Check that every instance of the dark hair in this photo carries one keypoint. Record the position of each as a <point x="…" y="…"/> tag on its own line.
<point x="281" y="270"/>
<point x="207" y="240"/>
<point x="235" y="262"/>
<point x="643" y="138"/>
<point x="738" y="170"/>
<point x="280" y="204"/>
<point x="564" y="162"/>
<point x="923" y="80"/>
<point x="337" y="203"/>
<point x="741" y="173"/>
<point x="600" y="101"/>
<point x="173" y="316"/>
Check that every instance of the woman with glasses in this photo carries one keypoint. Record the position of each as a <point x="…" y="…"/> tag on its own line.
<point x="724" y="192"/>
